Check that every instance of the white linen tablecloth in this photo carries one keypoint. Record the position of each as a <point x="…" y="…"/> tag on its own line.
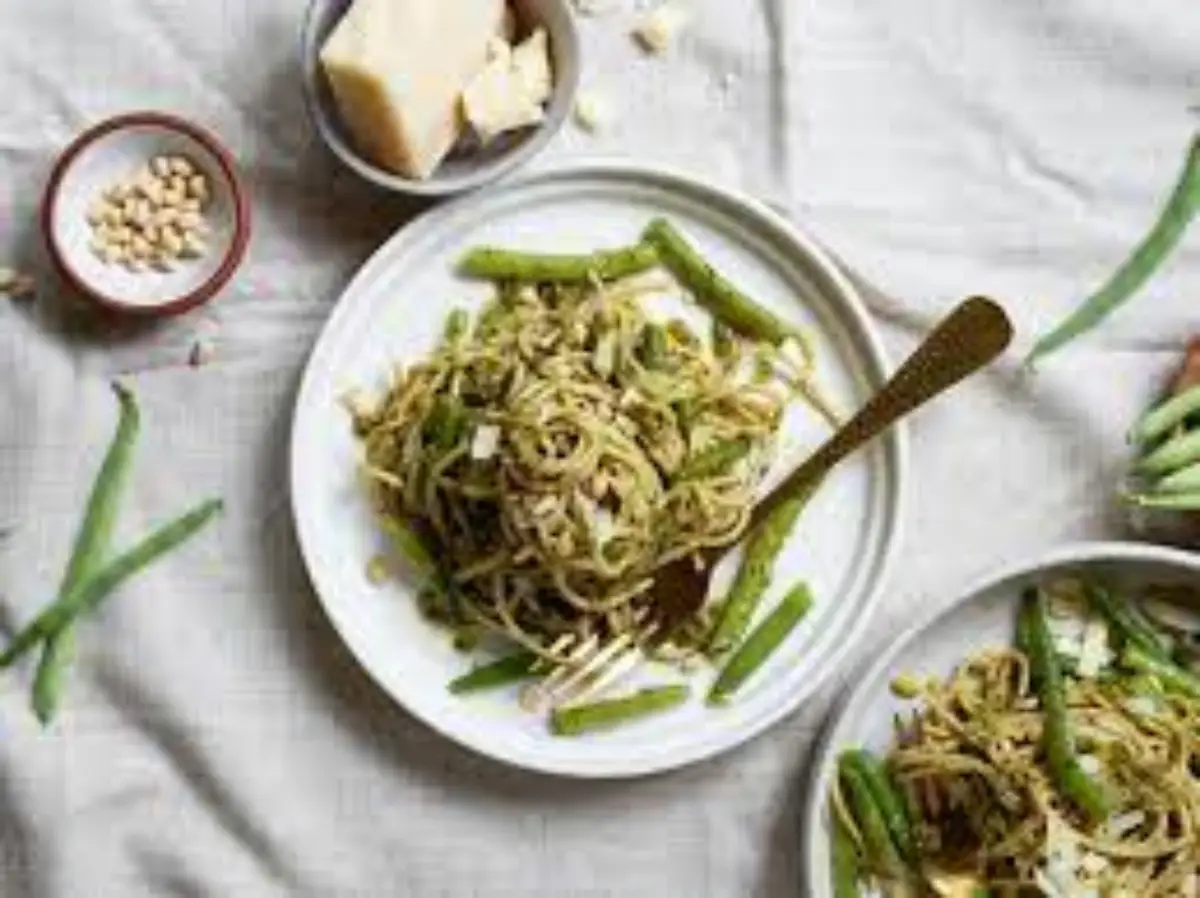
<point x="218" y="740"/>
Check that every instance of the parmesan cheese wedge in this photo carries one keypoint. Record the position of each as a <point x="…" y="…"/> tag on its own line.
<point x="510" y="91"/>
<point x="398" y="68"/>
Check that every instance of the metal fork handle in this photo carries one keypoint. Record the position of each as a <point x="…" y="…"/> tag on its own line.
<point x="970" y="337"/>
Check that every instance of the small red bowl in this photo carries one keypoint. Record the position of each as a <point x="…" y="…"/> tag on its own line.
<point x="112" y="152"/>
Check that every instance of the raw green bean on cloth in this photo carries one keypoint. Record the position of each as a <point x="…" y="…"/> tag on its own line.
<point x="92" y="544"/>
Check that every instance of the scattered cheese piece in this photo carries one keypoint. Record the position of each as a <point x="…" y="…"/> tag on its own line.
<point x="485" y="442"/>
<point x="656" y="31"/>
<point x="1089" y="764"/>
<point x="1123" y="824"/>
<point x="1141" y="705"/>
<point x="593" y="112"/>
<point x="1094" y="653"/>
<point x="509" y="92"/>
<point x="398" y="69"/>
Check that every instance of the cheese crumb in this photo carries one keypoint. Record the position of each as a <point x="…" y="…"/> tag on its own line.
<point x="593" y="111"/>
<point x="485" y="442"/>
<point x="657" y="31"/>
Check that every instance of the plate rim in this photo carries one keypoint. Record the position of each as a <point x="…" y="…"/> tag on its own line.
<point x="866" y="675"/>
<point x="845" y="297"/>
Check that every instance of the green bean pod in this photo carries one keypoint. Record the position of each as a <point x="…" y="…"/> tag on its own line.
<point x="888" y="800"/>
<point x="1166" y="416"/>
<point x="496" y="264"/>
<point x="1142" y="263"/>
<point x="761" y="644"/>
<point x="458" y="323"/>
<point x="410" y="546"/>
<point x="1057" y="738"/>
<point x="1126" y="623"/>
<point x="92" y="543"/>
<point x="576" y="720"/>
<point x="1165" y="501"/>
<point x="446" y="424"/>
<point x="1176" y="453"/>
<point x="845" y="860"/>
<point x="881" y="853"/>
<point x="652" y="347"/>
<point x="92" y="590"/>
<point x="502" y="672"/>
<point x="753" y="578"/>
<point x="713" y="291"/>
<point x="1185" y="480"/>
<point x="714" y="461"/>
<point x="723" y="344"/>
<point x="1173" y="677"/>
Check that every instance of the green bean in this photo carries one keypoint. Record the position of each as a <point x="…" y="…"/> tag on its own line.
<point x="723" y="343"/>
<point x="652" y="347"/>
<point x="754" y="576"/>
<point x="1166" y="501"/>
<point x="887" y="799"/>
<point x="881" y="853"/>
<point x="458" y="323"/>
<point x="1185" y="480"/>
<point x="498" y="264"/>
<point x="1173" y="677"/>
<point x="713" y="291"/>
<point x="91" y="591"/>
<point x="446" y="424"/>
<point x="410" y="546"/>
<point x="1172" y="455"/>
<point x="92" y="543"/>
<point x="714" y="461"/>
<point x="1137" y="269"/>
<point x="578" y="719"/>
<point x="1058" y="740"/>
<point x="1126" y="622"/>
<point x="1166" y="416"/>
<point x="467" y="638"/>
<point x="981" y="892"/>
<point x="761" y="644"/>
<point x="846" y="862"/>
<point x="502" y="672"/>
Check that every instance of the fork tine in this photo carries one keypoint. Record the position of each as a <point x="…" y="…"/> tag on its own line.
<point x="594" y="666"/>
<point x="619" y="668"/>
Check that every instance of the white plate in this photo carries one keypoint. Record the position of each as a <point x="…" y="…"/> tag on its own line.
<point x="395" y="310"/>
<point x="985" y="615"/>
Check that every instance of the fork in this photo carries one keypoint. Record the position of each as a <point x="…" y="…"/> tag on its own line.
<point x="588" y="668"/>
<point x="975" y="333"/>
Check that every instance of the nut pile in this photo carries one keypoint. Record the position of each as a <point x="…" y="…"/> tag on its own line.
<point x="154" y="218"/>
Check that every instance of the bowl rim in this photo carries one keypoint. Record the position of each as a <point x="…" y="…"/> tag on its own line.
<point x="870" y="671"/>
<point x="566" y="86"/>
<point x="241" y="212"/>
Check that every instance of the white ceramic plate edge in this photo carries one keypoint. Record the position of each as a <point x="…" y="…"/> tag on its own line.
<point x="877" y="362"/>
<point x="835" y="735"/>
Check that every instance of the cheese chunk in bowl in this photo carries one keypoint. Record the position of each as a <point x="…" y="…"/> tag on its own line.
<point x="430" y="97"/>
